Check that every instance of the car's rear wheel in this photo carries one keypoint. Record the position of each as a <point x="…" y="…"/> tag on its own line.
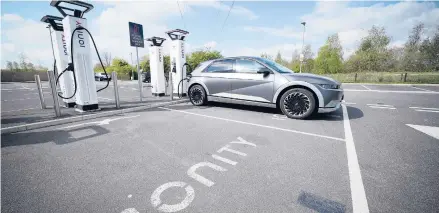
<point x="197" y="95"/>
<point x="297" y="103"/>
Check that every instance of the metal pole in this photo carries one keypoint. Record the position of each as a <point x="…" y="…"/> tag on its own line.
<point x="139" y="76"/>
<point x="303" y="43"/>
<point x="40" y="91"/>
<point x="116" y="89"/>
<point x="131" y="55"/>
<point x="51" y="76"/>
<point x="171" y="85"/>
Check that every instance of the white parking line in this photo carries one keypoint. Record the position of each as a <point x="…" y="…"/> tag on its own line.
<point x="424" y="108"/>
<point x="422" y="89"/>
<point x="359" y="200"/>
<point x="379" y="105"/>
<point x="253" y="124"/>
<point x="382" y="107"/>
<point x="20" y="110"/>
<point x="22" y="99"/>
<point x="421" y="110"/>
<point x="348" y="103"/>
<point x="390" y="91"/>
<point x="366" y="87"/>
<point x="106" y="98"/>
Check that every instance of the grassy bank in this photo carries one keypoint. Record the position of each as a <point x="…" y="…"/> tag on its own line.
<point x="387" y="77"/>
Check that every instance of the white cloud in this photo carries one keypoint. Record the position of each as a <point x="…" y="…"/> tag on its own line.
<point x="352" y="23"/>
<point x="286" y="31"/>
<point x="210" y="44"/>
<point x="11" y="18"/>
<point x="237" y="10"/>
<point x="286" y="50"/>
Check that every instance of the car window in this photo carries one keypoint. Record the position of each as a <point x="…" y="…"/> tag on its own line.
<point x="221" y="66"/>
<point x="102" y="73"/>
<point x="247" y="66"/>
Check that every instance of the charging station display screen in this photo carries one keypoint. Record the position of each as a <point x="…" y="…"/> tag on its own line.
<point x="136" y="35"/>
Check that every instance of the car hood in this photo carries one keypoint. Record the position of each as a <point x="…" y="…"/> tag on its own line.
<point x="310" y="78"/>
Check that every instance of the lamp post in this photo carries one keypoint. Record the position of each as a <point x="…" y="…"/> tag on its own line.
<point x="303" y="43"/>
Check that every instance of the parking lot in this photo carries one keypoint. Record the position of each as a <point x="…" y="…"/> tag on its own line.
<point x="377" y="153"/>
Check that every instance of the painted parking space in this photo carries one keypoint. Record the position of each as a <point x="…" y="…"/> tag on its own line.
<point x="286" y="166"/>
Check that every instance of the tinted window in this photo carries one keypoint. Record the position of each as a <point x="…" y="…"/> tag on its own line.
<point x="247" y="66"/>
<point x="276" y="66"/>
<point x="221" y="66"/>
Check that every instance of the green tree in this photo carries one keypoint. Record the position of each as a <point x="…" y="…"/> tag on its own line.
<point x="9" y="66"/>
<point x="373" y="53"/>
<point x="330" y="56"/>
<point x="295" y="61"/>
<point x="412" y="60"/>
<point x="195" y="58"/>
<point x="265" y="55"/>
<point x="429" y="50"/>
<point x="144" y="64"/>
<point x="308" y="59"/>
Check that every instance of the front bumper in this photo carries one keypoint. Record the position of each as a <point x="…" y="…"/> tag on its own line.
<point x="333" y="99"/>
<point x="329" y="109"/>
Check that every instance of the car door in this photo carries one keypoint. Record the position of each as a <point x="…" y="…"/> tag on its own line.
<point x="217" y="77"/>
<point x="248" y="84"/>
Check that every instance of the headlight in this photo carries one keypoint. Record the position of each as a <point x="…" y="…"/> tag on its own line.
<point x="330" y="86"/>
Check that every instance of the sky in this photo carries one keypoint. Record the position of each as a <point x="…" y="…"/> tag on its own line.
<point x="252" y="28"/>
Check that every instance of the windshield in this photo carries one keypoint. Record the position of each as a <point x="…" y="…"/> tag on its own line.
<point x="273" y="65"/>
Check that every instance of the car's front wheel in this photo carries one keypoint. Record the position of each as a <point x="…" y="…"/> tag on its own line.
<point x="197" y="95"/>
<point x="297" y="103"/>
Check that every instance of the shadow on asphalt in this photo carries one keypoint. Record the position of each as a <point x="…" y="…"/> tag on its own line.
<point x="354" y="113"/>
<point x="320" y="204"/>
<point x="57" y="136"/>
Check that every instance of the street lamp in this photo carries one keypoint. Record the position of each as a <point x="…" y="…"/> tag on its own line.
<point x="303" y="43"/>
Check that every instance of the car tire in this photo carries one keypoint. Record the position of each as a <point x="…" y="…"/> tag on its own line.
<point x="197" y="95"/>
<point x="297" y="103"/>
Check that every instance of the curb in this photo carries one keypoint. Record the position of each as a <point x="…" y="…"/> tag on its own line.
<point x="54" y="122"/>
<point x="437" y="85"/>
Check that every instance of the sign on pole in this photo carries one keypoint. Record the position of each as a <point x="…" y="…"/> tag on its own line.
<point x="136" y="35"/>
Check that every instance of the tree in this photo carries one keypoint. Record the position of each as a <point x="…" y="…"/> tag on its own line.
<point x="22" y="59"/>
<point x="308" y="59"/>
<point x="295" y="61"/>
<point x="9" y="66"/>
<point x="144" y="64"/>
<point x="329" y="58"/>
<point x="412" y="56"/>
<point x="278" y="58"/>
<point x="265" y="55"/>
<point x="195" y="58"/>
<point x="373" y="53"/>
<point x="106" y="57"/>
<point x="15" y="66"/>
<point x="429" y="50"/>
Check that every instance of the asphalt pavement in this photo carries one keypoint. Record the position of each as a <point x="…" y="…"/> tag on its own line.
<point x="378" y="154"/>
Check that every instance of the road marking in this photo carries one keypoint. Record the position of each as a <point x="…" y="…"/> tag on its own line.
<point x="379" y="105"/>
<point x="22" y="99"/>
<point x="366" y="87"/>
<point x="226" y="148"/>
<point x="191" y="172"/>
<point x="421" y="110"/>
<point x="253" y="124"/>
<point x="422" y="89"/>
<point x="155" y="197"/>
<point x="19" y="110"/>
<point x="130" y="210"/>
<point x="390" y="91"/>
<point x="133" y="88"/>
<point x="242" y="141"/>
<point x="130" y="196"/>
<point x="433" y="131"/>
<point x="279" y="119"/>
<point x="359" y="200"/>
<point x="106" y="98"/>
<point x="382" y="107"/>
<point x="348" y="103"/>
<point x="100" y="123"/>
<point x="225" y="160"/>
<point x="424" y="108"/>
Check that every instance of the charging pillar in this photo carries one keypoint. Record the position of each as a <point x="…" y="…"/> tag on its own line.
<point x="86" y="95"/>
<point x="60" y="52"/>
<point x="178" y="59"/>
<point x="156" y="66"/>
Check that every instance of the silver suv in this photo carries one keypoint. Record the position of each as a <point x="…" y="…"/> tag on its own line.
<point x="259" y="81"/>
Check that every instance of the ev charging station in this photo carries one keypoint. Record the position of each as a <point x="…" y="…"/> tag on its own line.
<point x="178" y="60"/>
<point x="156" y="66"/>
<point x="79" y="46"/>
<point x="61" y="54"/>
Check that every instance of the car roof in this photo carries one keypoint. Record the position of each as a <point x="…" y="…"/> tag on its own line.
<point x="238" y="57"/>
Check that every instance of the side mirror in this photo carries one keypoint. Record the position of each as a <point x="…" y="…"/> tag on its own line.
<point x="264" y="71"/>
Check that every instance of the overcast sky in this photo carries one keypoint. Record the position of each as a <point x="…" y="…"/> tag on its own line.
<point x="252" y="28"/>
